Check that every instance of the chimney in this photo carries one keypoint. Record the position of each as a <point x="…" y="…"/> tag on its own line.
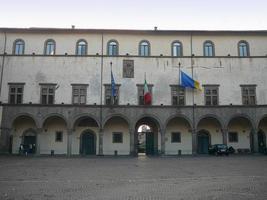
<point x="155" y="28"/>
<point x="72" y="26"/>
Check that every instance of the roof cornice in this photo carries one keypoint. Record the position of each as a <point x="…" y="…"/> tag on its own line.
<point x="130" y="31"/>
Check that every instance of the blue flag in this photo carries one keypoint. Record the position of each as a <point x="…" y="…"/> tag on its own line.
<point x="113" y="89"/>
<point x="187" y="81"/>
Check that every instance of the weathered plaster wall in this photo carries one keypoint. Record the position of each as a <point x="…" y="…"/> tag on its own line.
<point x="128" y="43"/>
<point x="229" y="73"/>
<point x="48" y="137"/>
<point x="178" y="125"/>
<point x="116" y="125"/>
<point x="243" y="128"/>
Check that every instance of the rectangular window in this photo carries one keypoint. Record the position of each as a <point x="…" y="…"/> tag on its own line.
<point x="211" y="95"/>
<point x="112" y="50"/>
<point x="178" y="95"/>
<point x="16" y="93"/>
<point x="248" y="94"/>
<point x="117" y="137"/>
<point x="47" y="93"/>
<point x="140" y="92"/>
<point x="144" y="50"/>
<point x="59" y="136"/>
<point x="233" y="137"/>
<point x="177" y="49"/>
<point x="50" y="48"/>
<point x="19" y="48"/>
<point x="82" y="48"/>
<point x="109" y="99"/>
<point x="243" y="51"/>
<point x="79" y="93"/>
<point x="176" y="137"/>
<point x="208" y="50"/>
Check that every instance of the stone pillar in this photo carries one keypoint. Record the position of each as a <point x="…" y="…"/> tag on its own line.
<point x="163" y="131"/>
<point x="100" y="144"/>
<point x="132" y="142"/>
<point x="255" y="141"/>
<point x="5" y="140"/>
<point x="224" y="136"/>
<point x="69" y="141"/>
<point x="38" y="140"/>
<point x="194" y="142"/>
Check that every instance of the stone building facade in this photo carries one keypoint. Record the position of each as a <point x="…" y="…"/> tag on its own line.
<point x="56" y="90"/>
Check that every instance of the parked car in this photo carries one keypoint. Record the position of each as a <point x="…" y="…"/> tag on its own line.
<point x="219" y="149"/>
<point x="231" y="150"/>
<point x="27" y="149"/>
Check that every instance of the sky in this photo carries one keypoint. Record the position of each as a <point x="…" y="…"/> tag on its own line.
<point x="136" y="14"/>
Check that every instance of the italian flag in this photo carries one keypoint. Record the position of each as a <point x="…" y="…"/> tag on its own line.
<point x="147" y="95"/>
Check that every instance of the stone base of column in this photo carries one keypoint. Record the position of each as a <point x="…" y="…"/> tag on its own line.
<point x="224" y="135"/>
<point x="255" y="143"/>
<point x="5" y="142"/>
<point x="194" y="142"/>
<point x="162" y="152"/>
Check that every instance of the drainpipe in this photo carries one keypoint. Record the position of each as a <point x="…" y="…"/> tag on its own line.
<point x="101" y="97"/>
<point x="3" y="64"/>
<point x="194" y="134"/>
<point x="4" y="139"/>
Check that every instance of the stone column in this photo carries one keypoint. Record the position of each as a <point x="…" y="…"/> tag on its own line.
<point x="100" y="144"/>
<point x="224" y="136"/>
<point x="38" y="140"/>
<point x="132" y="142"/>
<point x="255" y="141"/>
<point x="69" y="141"/>
<point x="163" y="131"/>
<point x="194" y="142"/>
<point x="5" y="140"/>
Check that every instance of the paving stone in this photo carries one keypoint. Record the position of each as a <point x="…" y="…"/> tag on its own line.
<point x="127" y="178"/>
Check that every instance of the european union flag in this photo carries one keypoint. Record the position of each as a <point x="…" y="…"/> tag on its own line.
<point x="187" y="81"/>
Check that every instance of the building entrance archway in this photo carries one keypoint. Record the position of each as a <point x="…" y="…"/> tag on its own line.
<point x="147" y="136"/>
<point x="145" y="141"/>
<point x="23" y="135"/>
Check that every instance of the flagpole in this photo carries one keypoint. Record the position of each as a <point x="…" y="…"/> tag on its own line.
<point x="143" y="89"/>
<point x="112" y="96"/>
<point x="110" y="65"/>
<point x="179" y="82"/>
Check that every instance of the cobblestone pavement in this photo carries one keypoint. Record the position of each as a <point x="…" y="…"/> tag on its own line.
<point x="142" y="178"/>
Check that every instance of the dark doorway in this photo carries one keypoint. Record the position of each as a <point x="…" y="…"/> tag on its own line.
<point x="147" y="136"/>
<point x="141" y="143"/>
<point x="10" y="144"/>
<point x="88" y="143"/>
<point x="203" y="141"/>
<point x="146" y="143"/>
<point x="261" y="141"/>
<point x="146" y="140"/>
<point x="149" y="143"/>
<point x="29" y="142"/>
